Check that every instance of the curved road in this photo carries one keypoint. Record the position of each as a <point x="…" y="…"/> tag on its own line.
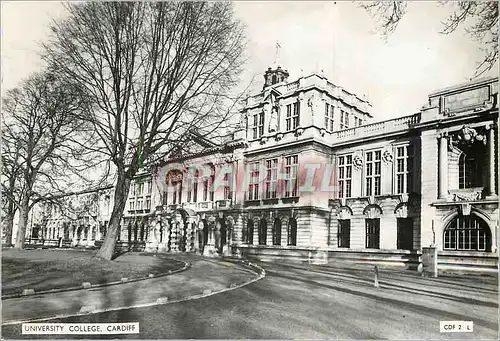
<point x="318" y="302"/>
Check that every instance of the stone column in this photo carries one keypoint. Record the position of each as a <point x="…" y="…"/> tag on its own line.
<point x="89" y="234"/>
<point x="174" y="234"/>
<point x="209" y="249"/>
<point x="443" y="166"/>
<point x="491" y="161"/>
<point x="72" y="231"/>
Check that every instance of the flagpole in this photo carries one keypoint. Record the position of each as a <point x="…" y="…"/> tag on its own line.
<point x="278" y="46"/>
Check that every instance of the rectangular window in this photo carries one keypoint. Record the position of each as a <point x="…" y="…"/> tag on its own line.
<point x="271" y="178"/>
<point x="253" y="186"/>
<point x="290" y="182"/>
<point x="373" y="172"/>
<point x="189" y="193"/>
<point x="344" y="233"/>
<point x="211" y="188"/>
<point x="404" y="169"/>
<point x="373" y="233"/>
<point x="148" y="203"/>
<point x="205" y="190"/>
<point x="345" y="176"/>
<point x="292" y="116"/>
<point x="164" y="198"/>
<point x="227" y="187"/>
<point x="177" y="194"/>
<point x="132" y="205"/>
<point x="258" y="125"/>
<point x="139" y="204"/>
<point x="288" y="117"/>
<point x="344" y="120"/>
<point x="149" y="187"/>
<point x="405" y="234"/>
<point x="195" y="185"/>
<point x="329" y="117"/>
<point x="140" y="187"/>
<point x="132" y="190"/>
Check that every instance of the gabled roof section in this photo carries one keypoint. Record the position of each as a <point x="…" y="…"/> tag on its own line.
<point x="202" y="140"/>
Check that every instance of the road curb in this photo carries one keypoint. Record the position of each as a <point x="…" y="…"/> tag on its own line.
<point x="186" y="266"/>
<point x="162" y="300"/>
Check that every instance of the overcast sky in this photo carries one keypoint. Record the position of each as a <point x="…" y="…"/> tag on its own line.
<point x="396" y="76"/>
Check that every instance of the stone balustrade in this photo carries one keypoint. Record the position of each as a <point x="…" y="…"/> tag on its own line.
<point x="374" y="129"/>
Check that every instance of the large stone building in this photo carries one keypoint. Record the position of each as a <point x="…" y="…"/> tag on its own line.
<point x="309" y="177"/>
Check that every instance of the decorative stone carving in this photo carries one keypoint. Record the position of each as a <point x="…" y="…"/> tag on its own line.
<point x="311" y="103"/>
<point x="372" y="211"/>
<point x="273" y="116"/>
<point x="404" y="197"/>
<point x="402" y="211"/>
<point x="155" y="232"/>
<point x="322" y="132"/>
<point x="263" y="140"/>
<point x="387" y="156"/>
<point x="465" y="209"/>
<point x="466" y="194"/>
<point x="467" y="136"/>
<point x="279" y="136"/>
<point x="357" y="161"/>
<point x="344" y="213"/>
<point x="299" y="132"/>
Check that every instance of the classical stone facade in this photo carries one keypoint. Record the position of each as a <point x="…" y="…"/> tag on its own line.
<point x="308" y="177"/>
<point x="313" y="180"/>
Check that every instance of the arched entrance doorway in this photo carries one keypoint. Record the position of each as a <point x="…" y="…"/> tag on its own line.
<point x="467" y="233"/>
<point x="186" y="229"/>
<point x="223" y="234"/>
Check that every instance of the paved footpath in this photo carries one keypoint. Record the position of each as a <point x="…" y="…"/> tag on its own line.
<point x="203" y="278"/>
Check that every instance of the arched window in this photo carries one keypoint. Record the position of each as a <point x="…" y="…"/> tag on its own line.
<point x="274" y="79"/>
<point x="470" y="167"/>
<point x="174" y="179"/>
<point x="277" y="231"/>
<point x="263" y="232"/>
<point x="467" y="233"/>
<point x="249" y="232"/>
<point x="292" y="232"/>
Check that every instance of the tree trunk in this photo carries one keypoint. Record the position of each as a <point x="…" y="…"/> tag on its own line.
<point x="24" y="210"/>
<point x="9" y="224"/>
<point x="121" y="194"/>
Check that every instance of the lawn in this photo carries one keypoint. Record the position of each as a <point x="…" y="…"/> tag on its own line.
<point x="57" y="269"/>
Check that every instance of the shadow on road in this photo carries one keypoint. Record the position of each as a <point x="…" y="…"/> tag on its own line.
<point x="439" y="313"/>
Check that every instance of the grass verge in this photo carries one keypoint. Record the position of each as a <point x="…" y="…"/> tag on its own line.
<point x="57" y="269"/>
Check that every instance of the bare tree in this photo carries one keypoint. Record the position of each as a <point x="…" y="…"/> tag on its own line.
<point x="10" y="180"/>
<point x="156" y="71"/>
<point x="43" y="136"/>
<point x="479" y="18"/>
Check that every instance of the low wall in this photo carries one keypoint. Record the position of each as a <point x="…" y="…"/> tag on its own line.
<point x="403" y="259"/>
<point x="386" y="258"/>
<point x="447" y="261"/>
<point x="48" y="243"/>
<point x="467" y="261"/>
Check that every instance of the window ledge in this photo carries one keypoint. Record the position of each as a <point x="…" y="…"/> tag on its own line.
<point x="467" y="253"/>
<point x="287" y="200"/>
<point x="252" y="202"/>
<point x="270" y="201"/>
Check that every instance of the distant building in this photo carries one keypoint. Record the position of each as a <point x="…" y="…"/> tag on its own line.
<point x="75" y="220"/>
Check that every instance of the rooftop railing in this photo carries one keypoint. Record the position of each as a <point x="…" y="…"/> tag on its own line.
<point x="378" y="128"/>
